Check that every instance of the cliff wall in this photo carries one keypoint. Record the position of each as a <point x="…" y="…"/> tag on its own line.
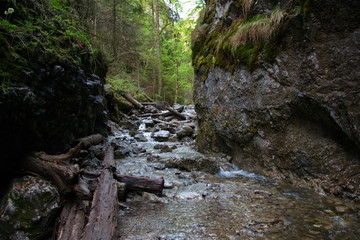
<point x="278" y="86"/>
<point x="51" y="81"/>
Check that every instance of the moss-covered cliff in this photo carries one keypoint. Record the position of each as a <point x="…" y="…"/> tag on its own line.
<point x="50" y="80"/>
<point x="277" y="82"/>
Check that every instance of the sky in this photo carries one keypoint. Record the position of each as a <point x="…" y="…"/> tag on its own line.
<point x="188" y="5"/>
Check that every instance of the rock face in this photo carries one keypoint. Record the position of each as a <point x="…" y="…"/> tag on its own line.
<point x="60" y="103"/>
<point x="294" y="117"/>
<point x="49" y="92"/>
<point x="28" y="209"/>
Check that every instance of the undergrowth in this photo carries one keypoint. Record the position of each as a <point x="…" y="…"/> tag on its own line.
<point x="41" y="32"/>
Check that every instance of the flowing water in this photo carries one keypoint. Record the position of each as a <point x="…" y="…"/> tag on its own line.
<point x="230" y="204"/>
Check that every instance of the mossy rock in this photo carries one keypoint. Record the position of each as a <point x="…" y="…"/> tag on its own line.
<point x="28" y="209"/>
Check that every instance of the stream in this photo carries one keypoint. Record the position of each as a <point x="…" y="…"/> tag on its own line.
<point x="209" y="198"/>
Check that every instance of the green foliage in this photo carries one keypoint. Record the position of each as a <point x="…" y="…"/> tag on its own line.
<point x="41" y="31"/>
<point x="127" y="34"/>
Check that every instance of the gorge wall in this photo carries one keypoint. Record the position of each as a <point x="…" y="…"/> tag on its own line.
<point x="51" y="82"/>
<point x="278" y="86"/>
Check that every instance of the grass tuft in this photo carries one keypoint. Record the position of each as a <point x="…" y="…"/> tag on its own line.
<point x="259" y="28"/>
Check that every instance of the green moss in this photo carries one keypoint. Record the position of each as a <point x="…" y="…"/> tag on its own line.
<point x="42" y="31"/>
<point x="244" y="42"/>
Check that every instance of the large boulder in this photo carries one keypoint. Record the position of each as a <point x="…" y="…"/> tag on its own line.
<point x="28" y="209"/>
<point x="293" y="116"/>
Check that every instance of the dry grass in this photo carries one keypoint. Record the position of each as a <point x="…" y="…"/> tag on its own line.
<point x="258" y="29"/>
<point x="246" y="7"/>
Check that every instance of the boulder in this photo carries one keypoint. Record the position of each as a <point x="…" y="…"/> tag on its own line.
<point x="186" y="131"/>
<point x="161" y="135"/>
<point x="28" y="209"/>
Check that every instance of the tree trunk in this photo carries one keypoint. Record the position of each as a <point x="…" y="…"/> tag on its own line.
<point x="114" y="29"/>
<point x="103" y="216"/>
<point x="158" y="45"/>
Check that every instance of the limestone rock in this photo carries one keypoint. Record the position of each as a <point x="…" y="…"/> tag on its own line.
<point x="294" y="117"/>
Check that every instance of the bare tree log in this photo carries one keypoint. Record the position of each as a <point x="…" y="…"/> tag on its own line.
<point x="66" y="157"/>
<point x="143" y="184"/>
<point x="62" y="175"/>
<point x="133" y="101"/>
<point x="71" y="222"/>
<point x="104" y="208"/>
<point x="176" y="113"/>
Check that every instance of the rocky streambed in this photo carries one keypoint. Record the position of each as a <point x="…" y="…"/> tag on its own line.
<point x="209" y="198"/>
<point x="204" y="197"/>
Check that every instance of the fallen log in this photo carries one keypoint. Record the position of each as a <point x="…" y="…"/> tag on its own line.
<point x="71" y="222"/>
<point x="102" y="221"/>
<point x="142" y="184"/>
<point x="133" y="101"/>
<point x="61" y="174"/>
<point x="176" y="113"/>
<point x="134" y="183"/>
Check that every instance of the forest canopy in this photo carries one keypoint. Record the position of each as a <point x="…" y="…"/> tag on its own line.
<point x="146" y="43"/>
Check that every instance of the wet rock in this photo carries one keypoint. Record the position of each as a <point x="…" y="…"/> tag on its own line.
<point x="138" y="150"/>
<point x="148" y="123"/>
<point x="163" y="148"/>
<point x="166" y="127"/>
<point x="96" y="151"/>
<point x="186" y="131"/>
<point x="119" y="154"/>
<point x="204" y="164"/>
<point x="153" y="198"/>
<point x="28" y="209"/>
<point x="189" y="195"/>
<point x="343" y="209"/>
<point x="159" y="166"/>
<point x="140" y="137"/>
<point x="119" y="145"/>
<point x="161" y="135"/>
<point x="130" y="124"/>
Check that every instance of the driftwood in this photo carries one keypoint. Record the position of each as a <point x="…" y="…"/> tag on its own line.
<point x="61" y="174"/>
<point x="135" y="183"/>
<point x="71" y="222"/>
<point x="104" y="208"/>
<point x="176" y="113"/>
<point x="142" y="184"/>
<point x="103" y="189"/>
<point x="133" y="101"/>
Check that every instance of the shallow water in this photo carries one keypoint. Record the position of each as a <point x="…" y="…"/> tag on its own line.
<point x="232" y="204"/>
